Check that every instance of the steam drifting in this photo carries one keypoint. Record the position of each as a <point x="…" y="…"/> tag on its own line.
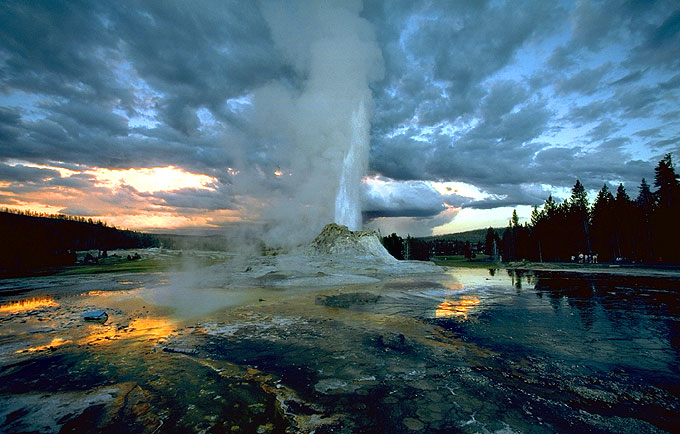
<point x="317" y="122"/>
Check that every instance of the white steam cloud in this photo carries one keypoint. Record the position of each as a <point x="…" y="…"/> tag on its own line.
<point x="317" y="124"/>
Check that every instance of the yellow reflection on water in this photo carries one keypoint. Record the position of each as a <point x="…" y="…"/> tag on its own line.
<point x="151" y="328"/>
<point x="56" y="342"/>
<point x="98" y="335"/>
<point x="29" y="304"/>
<point x="456" y="308"/>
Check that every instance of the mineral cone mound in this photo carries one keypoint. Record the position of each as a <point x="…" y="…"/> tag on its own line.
<point x="337" y="240"/>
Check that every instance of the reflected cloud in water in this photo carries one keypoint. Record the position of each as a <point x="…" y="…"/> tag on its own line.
<point x="54" y="343"/>
<point x="151" y="328"/>
<point x="456" y="308"/>
<point x="28" y="305"/>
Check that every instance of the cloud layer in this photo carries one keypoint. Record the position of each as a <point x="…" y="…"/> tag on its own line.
<point x="512" y="99"/>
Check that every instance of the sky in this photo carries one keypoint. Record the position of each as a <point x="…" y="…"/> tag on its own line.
<point x="201" y="117"/>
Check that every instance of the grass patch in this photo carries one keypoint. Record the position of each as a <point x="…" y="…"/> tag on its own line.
<point x="481" y="261"/>
<point x="144" y="265"/>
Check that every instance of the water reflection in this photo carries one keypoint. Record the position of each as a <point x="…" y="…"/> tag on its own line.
<point x="637" y="316"/>
<point x="456" y="308"/>
<point x="28" y="305"/>
<point x="54" y="343"/>
<point x="151" y="328"/>
<point x="600" y="318"/>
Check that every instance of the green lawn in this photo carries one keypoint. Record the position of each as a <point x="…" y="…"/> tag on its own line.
<point x="144" y="265"/>
<point x="481" y="261"/>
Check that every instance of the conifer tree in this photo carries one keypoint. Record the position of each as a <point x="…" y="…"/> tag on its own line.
<point x="666" y="233"/>
<point x="603" y="228"/>
<point x="578" y="219"/>
<point x="623" y="223"/>
<point x="643" y="222"/>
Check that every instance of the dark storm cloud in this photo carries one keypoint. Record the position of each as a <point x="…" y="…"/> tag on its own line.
<point x="481" y="155"/>
<point x="628" y="78"/>
<point x="21" y="174"/>
<point x="518" y="197"/>
<point x="80" y="181"/>
<point x="200" y="199"/>
<point x="90" y="64"/>
<point x="487" y="93"/>
<point x="593" y="168"/>
<point x="412" y="199"/>
<point x="87" y="116"/>
<point x="585" y="81"/>
<point x="604" y="130"/>
<point x="10" y="125"/>
<point x="60" y="49"/>
<point x="448" y="81"/>
<point x="454" y="47"/>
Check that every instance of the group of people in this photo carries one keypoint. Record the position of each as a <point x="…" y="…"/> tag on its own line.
<point x="585" y="259"/>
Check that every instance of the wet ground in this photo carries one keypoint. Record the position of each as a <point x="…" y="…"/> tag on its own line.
<point x="262" y="349"/>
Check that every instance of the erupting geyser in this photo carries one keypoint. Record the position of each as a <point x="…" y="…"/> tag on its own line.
<point x="347" y="201"/>
<point x="316" y="124"/>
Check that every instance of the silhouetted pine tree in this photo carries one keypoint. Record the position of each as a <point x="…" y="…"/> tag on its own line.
<point x="394" y="244"/>
<point x="539" y="228"/>
<point x="578" y="219"/>
<point x="644" y="205"/>
<point x="666" y="234"/>
<point x="624" y="215"/>
<point x="646" y="229"/>
<point x="603" y="225"/>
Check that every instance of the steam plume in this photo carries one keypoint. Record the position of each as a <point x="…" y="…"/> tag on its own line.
<point x="317" y="123"/>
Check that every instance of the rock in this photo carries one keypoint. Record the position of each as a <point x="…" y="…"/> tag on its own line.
<point x="396" y="342"/>
<point x="347" y="300"/>
<point x="96" y="315"/>
<point x="414" y="424"/>
<point x="180" y="350"/>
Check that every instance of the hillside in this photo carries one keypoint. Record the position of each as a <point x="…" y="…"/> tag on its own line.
<point x="474" y="236"/>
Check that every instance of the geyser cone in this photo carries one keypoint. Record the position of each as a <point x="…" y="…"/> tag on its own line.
<point x="338" y="240"/>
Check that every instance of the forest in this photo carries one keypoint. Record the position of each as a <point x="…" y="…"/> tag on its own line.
<point x="31" y="240"/>
<point x="615" y="228"/>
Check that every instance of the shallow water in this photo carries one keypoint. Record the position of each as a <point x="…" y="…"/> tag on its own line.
<point x="468" y="350"/>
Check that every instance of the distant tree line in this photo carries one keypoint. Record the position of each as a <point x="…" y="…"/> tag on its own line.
<point x="34" y="240"/>
<point x="71" y="218"/>
<point x="615" y="228"/>
<point x="422" y="250"/>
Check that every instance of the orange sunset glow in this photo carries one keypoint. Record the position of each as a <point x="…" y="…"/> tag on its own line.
<point x="151" y="180"/>
<point x="107" y="202"/>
